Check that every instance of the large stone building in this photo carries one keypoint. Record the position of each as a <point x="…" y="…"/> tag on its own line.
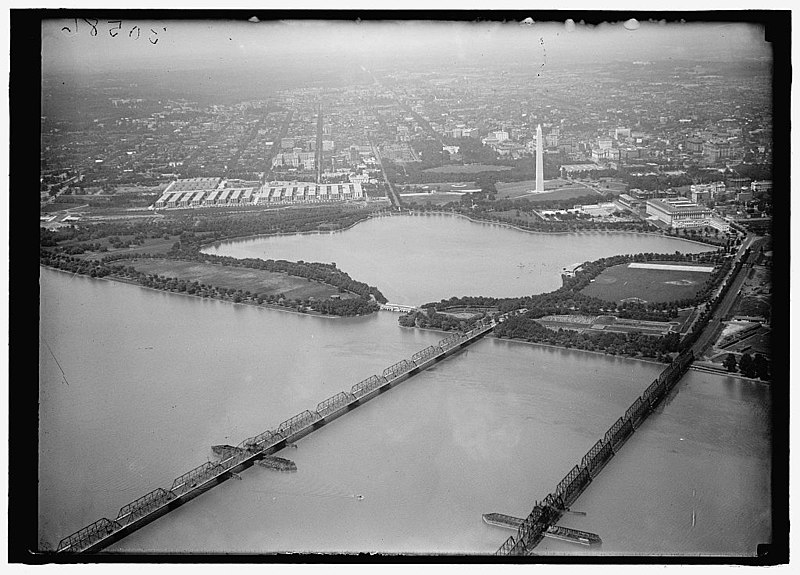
<point x="680" y="212"/>
<point x="715" y="151"/>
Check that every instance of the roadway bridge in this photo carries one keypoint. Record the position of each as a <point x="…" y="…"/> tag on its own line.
<point x="189" y="485"/>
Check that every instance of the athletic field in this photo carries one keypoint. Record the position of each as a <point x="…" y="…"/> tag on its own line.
<point x="648" y="282"/>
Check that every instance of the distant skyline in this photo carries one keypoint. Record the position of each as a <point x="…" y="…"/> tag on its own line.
<point x="186" y="44"/>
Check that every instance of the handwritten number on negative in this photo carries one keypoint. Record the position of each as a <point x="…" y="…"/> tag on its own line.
<point x="115" y="27"/>
<point x="67" y="28"/>
<point x="93" y="31"/>
<point x="114" y="32"/>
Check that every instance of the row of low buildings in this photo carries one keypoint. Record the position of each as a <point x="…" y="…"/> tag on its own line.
<point x="223" y="195"/>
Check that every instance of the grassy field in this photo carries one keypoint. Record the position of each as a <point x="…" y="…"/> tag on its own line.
<point x="150" y="246"/>
<point x="431" y="199"/>
<point x="653" y="285"/>
<point x="440" y="186"/>
<point x="255" y="281"/>
<point x="60" y="207"/>
<point x="554" y="190"/>
<point x="467" y="169"/>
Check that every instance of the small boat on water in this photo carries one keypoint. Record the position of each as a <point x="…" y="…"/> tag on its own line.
<point x="277" y="463"/>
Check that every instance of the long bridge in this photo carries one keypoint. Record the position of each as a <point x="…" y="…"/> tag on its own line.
<point x="189" y="485"/>
<point x="542" y="519"/>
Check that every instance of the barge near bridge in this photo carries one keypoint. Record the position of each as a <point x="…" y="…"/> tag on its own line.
<point x="186" y="487"/>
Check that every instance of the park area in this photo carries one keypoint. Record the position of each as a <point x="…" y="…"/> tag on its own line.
<point x="467" y="169"/>
<point x="256" y="281"/>
<point x="648" y="282"/>
<point x="554" y="190"/>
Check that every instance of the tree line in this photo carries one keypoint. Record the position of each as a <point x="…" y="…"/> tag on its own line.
<point x="627" y="344"/>
<point x="757" y="366"/>
<point x="194" y="230"/>
<point x="208" y="226"/>
<point x="568" y="300"/>
<point x="361" y="305"/>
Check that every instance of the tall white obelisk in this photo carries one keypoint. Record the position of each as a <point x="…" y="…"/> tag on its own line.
<point x="539" y="162"/>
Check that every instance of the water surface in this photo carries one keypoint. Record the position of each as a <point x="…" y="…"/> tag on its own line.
<point x="155" y="379"/>
<point x="418" y="259"/>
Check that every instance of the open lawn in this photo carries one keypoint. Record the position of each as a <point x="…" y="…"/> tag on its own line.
<point x="150" y="246"/>
<point x="59" y="207"/>
<point x="621" y="282"/>
<point x="245" y="279"/>
<point x="467" y="169"/>
<point x="437" y="186"/>
<point x="554" y="190"/>
<point x="431" y="199"/>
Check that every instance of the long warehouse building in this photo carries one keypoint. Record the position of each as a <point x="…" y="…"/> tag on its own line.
<point x="208" y="192"/>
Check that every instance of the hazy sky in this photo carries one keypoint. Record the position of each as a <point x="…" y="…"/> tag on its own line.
<point x="177" y="44"/>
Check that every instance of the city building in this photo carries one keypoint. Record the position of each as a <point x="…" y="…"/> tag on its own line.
<point x="679" y="212"/>
<point x="629" y="202"/>
<point x="604" y="143"/>
<point x="761" y="186"/>
<point x="737" y="183"/>
<point x="703" y="193"/>
<point x="701" y="196"/>
<point x="717" y="150"/>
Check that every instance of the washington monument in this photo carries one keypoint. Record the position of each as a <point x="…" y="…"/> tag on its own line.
<point x="539" y="163"/>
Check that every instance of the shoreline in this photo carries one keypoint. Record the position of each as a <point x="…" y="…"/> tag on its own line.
<point x="117" y="279"/>
<point x="704" y="367"/>
<point x="373" y="215"/>
<point x="216" y="243"/>
<point x="590" y="231"/>
<point x="701" y="367"/>
<point x="561" y="347"/>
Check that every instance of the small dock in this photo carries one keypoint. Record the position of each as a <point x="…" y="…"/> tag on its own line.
<point x="553" y="531"/>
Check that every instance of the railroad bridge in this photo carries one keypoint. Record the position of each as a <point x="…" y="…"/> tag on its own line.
<point x="544" y="516"/>
<point x="189" y="485"/>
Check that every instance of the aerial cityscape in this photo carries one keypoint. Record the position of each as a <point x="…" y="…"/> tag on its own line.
<point x="557" y="235"/>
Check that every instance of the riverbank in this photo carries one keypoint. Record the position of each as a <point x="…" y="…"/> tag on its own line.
<point x="561" y="347"/>
<point x="705" y="367"/>
<point x="276" y="307"/>
<point x="217" y="242"/>
<point x="543" y="232"/>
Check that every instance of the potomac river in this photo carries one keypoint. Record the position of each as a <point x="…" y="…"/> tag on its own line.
<point x="154" y="379"/>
